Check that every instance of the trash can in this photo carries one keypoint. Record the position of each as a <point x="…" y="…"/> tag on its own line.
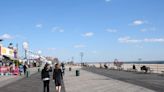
<point x="77" y="72"/>
<point x="27" y="74"/>
<point x="1" y="74"/>
<point x="70" y="68"/>
<point x="38" y="69"/>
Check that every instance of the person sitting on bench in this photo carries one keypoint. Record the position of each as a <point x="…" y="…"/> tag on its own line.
<point x="105" y="65"/>
<point x="144" y="68"/>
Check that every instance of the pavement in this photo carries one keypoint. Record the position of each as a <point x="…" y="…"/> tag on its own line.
<point x="92" y="82"/>
<point x="150" y="81"/>
<point x="31" y="84"/>
<point x="5" y="80"/>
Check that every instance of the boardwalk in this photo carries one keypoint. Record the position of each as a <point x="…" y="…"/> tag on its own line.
<point x="31" y="84"/>
<point x="91" y="82"/>
<point x="150" y="81"/>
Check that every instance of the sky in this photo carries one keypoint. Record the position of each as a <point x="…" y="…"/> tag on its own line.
<point x="103" y="30"/>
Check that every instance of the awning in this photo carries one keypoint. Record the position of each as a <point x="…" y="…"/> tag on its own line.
<point x="9" y="58"/>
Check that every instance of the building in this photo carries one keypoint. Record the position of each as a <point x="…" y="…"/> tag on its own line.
<point x="53" y="59"/>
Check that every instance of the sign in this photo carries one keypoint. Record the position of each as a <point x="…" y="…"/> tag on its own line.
<point x="7" y="52"/>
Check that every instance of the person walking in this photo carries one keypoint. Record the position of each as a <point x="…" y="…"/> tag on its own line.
<point x="46" y="77"/>
<point x="20" y="69"/>
<point x="25" y="68"/>
<point x="57" y="77"/>
<point x="63" y="68"/>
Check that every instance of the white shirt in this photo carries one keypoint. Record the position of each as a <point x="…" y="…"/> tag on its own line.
<point x="44" y="79"/>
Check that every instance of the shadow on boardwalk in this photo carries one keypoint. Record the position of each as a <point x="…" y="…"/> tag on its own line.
<point x="31" y="84"/>
<point x="150" y="81"/>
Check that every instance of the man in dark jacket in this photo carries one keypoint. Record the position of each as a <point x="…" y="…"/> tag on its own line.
<point x="45" y="77"/>
<point x="25" y="68"/>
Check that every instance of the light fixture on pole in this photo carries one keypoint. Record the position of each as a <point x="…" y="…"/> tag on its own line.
<point x="0" y="49"/>
<point x="39" y="53"/>
<point x="81" y="55"/>
<point x="1" y="41"/>
<point x="25" y="47"/>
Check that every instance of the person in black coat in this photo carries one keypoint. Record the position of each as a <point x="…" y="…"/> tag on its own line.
<point x="45" y="76"/>
<point x="57" y="77"/>
<point x="25" y="68"/>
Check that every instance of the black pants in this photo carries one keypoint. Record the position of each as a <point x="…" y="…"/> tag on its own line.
<point x="24" y="71"/>
<point x="46" y="85"/>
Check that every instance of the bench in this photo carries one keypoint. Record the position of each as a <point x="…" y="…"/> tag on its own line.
<point x="131" y="70"/>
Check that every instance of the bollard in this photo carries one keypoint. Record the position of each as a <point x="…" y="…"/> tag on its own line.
<point x="77" y="72"/>
<point x="27" y="74"/>
<point x="70" y="69"/>
<point x="38" y="69"/>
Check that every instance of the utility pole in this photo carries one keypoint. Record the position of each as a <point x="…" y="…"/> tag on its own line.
<point x="25" y="47"/>
<point x="81" y="55"/>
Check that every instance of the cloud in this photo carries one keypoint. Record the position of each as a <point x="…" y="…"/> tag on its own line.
<point x="6" y="36"/>
<point x="138" y="22"/>
<point x="139" y="46"/>
<point x="38" y="25"/>
<point x="153" y="40"/>
<point x="144" y="30"/>
<point x="51" y="49"/>
<point x="127" y="39"/>
<point x="88" y="34"/>
<point x="148" y="29"/>
<point x="94" y="52"/>
<point x="57" y="29"/>
<point x="79" y="46"/>
<point x="148" y="40"/>
<point x="112" y="30"/>
<point x="108" y="0"/>
<point x="21" y="37"/>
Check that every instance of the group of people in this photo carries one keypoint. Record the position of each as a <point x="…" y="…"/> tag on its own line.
<point x="144" y="68"/>
<point x="12" y="68"/>
<point x="57" y="77"/>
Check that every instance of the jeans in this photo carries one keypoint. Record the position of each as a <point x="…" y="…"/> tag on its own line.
<point x="46" y="85"/>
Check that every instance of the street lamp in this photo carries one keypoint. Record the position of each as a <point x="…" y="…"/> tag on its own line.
<point x="81" y="55"/>
<point x="0" y="50"/>
<point x="39" y="53"/>
<point x="25" y="47"/>
<point x="1" y="40"/>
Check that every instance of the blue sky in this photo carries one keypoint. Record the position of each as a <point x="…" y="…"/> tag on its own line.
<point x="102" y="29"/>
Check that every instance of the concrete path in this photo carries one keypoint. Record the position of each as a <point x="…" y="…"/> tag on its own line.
<point x="31" y="84"/>
<point x="150" y="81"/>
<point x="91" y="82"/>
<point x="4" y="80"/>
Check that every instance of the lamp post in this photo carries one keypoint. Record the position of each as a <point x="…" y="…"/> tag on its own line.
<point x="0" y="50"/>
<point x="1" y="41"/>
<point x="139" y="59"/>
<point x="0" y="47"/>
<point x="81" y="55"/>
<point x="39" y="53"/>
<point x="25" y="47"/>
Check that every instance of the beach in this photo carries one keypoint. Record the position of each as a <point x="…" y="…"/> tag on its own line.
<point x="156" y="68"/>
